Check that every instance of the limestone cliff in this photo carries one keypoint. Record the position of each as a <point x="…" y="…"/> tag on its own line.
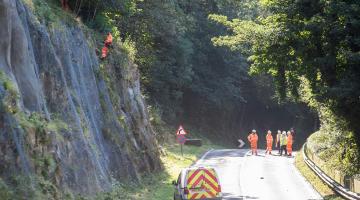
<point x="78" y="123"/>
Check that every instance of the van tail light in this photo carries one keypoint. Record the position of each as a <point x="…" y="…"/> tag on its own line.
<point x="186" y="191"/>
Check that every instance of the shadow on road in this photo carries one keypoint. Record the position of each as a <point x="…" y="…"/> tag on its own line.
<point x="259" y="155"/>
<point x="226" y="153"/>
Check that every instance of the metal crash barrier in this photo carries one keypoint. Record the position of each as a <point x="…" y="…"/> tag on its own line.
<point x="348" y="187"/>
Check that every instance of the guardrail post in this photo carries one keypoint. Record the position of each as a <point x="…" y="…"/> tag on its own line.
<point x="347" y="181"/>
<point x="356" y="185"/>
<point x="338" y="181"/>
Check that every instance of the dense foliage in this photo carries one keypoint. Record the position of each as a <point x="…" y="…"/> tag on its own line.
<point x="176" y="56"/>
<point x="187" y="78"/>
<point x="316" y="40"/>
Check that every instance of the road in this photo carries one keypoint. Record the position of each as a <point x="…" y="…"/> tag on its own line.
<point x="243" y="176"/>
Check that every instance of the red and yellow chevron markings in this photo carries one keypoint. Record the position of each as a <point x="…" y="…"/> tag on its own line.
<point x="202" y="183"/>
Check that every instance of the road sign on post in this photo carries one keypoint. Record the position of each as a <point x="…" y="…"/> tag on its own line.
<point x="180" y="137"/>
<point x="181" y="131"/>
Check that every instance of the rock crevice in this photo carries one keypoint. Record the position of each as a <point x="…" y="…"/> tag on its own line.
<point x="96" y="130"/>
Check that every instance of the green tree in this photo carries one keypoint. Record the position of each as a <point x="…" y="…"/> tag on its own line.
<point x="317" y="40"/>
<point x="182" y="72"/>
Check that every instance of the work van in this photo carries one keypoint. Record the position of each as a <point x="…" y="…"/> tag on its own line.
<point x="197" y="183"/>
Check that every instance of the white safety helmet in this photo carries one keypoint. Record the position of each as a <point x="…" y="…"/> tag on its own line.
<point x="279" y="131"/>
<point x="284" y="132"/>
<point x="253" y="131"/>
<point x="269" y="131"/>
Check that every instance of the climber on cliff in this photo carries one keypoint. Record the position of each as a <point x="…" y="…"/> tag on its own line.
<point x="64" y="4"/>
<point x="104" y="52"/>
<point x="107" y="44"/>
<point x="109" y="40"/>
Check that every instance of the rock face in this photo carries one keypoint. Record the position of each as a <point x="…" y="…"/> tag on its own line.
<point x="83" y="119"/>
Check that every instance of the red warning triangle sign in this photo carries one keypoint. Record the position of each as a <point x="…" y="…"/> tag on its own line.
<point x="181" y="131"/>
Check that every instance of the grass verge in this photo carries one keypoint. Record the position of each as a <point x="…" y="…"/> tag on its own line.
<point x="325" y="191"/>
<point x="158" y="186"/>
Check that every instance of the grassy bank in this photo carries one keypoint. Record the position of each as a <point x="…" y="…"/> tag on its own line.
<point x="315" y="181"/>
<point x="158" y="186"/>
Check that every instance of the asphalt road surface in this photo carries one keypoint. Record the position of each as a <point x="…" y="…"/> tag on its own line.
<point x="243" y="176"/>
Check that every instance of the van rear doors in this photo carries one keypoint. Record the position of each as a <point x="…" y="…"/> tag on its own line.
<point x="202" y="183"/>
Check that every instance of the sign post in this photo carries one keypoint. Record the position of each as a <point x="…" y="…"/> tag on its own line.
<point x="180" y="137"/>
<point x="181" y="140"/>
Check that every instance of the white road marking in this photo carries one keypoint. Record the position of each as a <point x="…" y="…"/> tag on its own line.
<point x="202" y="158"/>
<point x="243" y="176"/>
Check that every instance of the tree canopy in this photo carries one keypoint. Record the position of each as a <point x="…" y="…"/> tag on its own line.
<point x="318" y="40"/>
<point x="184" y="75"/>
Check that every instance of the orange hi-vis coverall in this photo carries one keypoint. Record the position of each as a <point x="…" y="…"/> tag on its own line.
<point x="109" y="40"/>
<point x="104" y="52"/>
<point x="107" y="44"/>
<point x="289" y="144"/>
<point x="253" y="139"/>
<point x="269" y="142"/>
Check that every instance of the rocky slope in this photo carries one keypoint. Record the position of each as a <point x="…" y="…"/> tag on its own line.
<point x="66" y="118"/>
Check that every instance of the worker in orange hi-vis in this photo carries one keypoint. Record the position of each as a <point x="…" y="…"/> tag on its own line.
<point x="253" y="139"/>
<point x="269" y="142"/>
<point x="107" y="43"/>
<point x="104" y="52"/>
<point x="289" y="143"/>
<point x="109" y="39"/>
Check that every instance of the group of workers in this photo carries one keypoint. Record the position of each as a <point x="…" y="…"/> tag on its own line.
<point x="284" y="142"/>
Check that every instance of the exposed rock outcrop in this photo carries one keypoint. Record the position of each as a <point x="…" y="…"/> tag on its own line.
<point x="85" y="122"/>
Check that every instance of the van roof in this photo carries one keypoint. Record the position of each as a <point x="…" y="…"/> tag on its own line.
<point x="200" y="167"/>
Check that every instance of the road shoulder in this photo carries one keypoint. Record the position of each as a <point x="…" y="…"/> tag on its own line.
<point x="325" y="191"/>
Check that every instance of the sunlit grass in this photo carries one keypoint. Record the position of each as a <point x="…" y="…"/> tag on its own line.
<point x="161" y="188"/>
<point x="158" y="186"/>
